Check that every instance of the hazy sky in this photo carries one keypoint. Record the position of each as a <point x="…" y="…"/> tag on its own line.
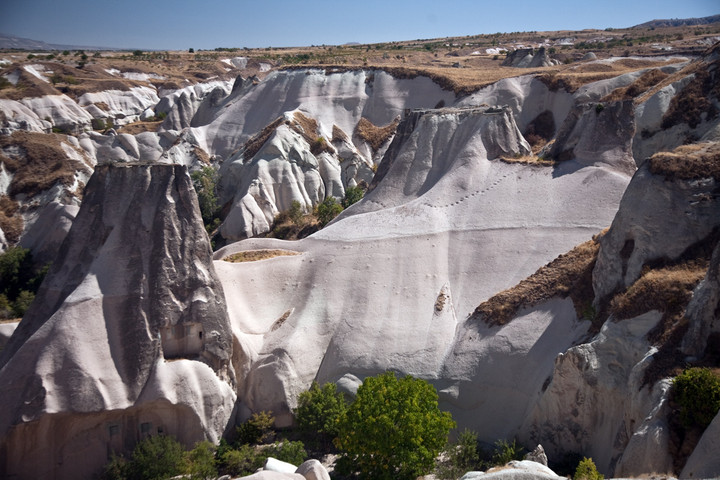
<point x="207" y="24"/>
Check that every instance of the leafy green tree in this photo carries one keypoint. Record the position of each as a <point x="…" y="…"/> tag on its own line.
<point x="320" y="411"/>
<point x="257" y="429"/>
<point x="697" y="392"/>
<point x="394" y="428"/>
<point x="505" y="452"/>
<point x="327" y="210"/>
<point x="201" y="461"/>
<point x="22" y="303"/>
<point x="287" y="451"/>
<point x="241" y="461"/>
<point x="155" y="458"/>
<point x="5" y="307"/>
<point x="586" y="470"/>
<point x="352" y="195"/>
<point x="296" y="212"/>
<point x="462" y="456"/>
<point x="16" y="271"/>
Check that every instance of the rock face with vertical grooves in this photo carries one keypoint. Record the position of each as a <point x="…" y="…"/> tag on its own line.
<point x="129" y="334"/>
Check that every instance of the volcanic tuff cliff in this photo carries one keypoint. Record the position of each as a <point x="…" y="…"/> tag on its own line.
<point x="470" y="263"/>
<point x="129" y="335"/>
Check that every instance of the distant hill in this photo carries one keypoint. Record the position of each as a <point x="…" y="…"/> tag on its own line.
<point x="18" y="43"/>
<point x="680" y="22"/>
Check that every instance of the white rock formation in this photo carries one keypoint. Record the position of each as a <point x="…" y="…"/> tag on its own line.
<point x="275" y="465"/>
<point x="597" y="133"/>
<point x="313" y="470"/>
<point x="128" y="336"/>
<point x="332" y="99"/>
<point x="121" y="106"/>
<point x="640" y="232"/>
<point x="194" y="104"/>
<point x="704" y="461"/>
<point x="270" y="475"/>
<point x="442" y="216"/>
<point x="515" y="470"/>
<point x="283" y="171"/>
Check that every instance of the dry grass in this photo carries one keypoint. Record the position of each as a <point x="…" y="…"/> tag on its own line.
<point x="42" y="163"/>
<point x="665" y="289"/>
<point x="253" y="146"/>
<point x="307" y="126"/>
<point x="695" y="99"/>
<point x="688" y="162"/>
<point x="373" y="135"/>
<point x="139" y="127"/>
<point x="11" y="224"/>
<point x="308" y="129"/>
<point x="338" y="135"/>
<point x="645" y="82"/>
<point x="304" y="126"/>
<point x="202" y="155"/>
<point x="528" y="160"/>
<point x="256" y="255"/>
<point x="568" y="275"/>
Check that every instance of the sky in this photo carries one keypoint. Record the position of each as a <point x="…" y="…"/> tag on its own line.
<point x="208" y="24"/>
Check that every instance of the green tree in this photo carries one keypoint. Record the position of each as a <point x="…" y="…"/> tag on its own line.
<point x="327" y="210"/>
<point x="22" y="303"/>
<point x="697" y="392"/>
<point x="201" y="461"/>
<point x="241" y="461"/>
<point x="394" y="428"/>
<point x="156" y="457"/>
<point x="296" y="212"/>
<point x="461" y="456"/>
<point x="586" y="470"/>
<point x="257" y="429"/>
<point x="16" y="271"/>
<point x="352" y="195"/>
<point x="320" y="411"/>
<point x="287" y="451"/>
<point x="505" y="452"/>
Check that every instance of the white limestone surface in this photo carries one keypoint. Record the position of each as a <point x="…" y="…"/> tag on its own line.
<point x="444" y="222"/>
<point x="332" y="99"/>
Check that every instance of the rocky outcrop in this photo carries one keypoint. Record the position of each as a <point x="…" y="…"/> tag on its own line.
<point x="702" y="311"/>
<point x="704" y="461"/>
<point x="681" y="186"/>
<point x="445" y="211"/>
<point x="193" y="105"/>
<point x="332" y="99"/>
<point x="128" y="335"/>
<point x="284" y="164"/>
<point x="529" y="58"/>
<point x="683" y="109"/>
<point x="598" y="133"/>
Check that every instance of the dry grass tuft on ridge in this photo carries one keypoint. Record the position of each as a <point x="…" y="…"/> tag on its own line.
<point x="688" y="162"/>
<point x="42" y="163"/>
<point x="255" y="255"/>
<point x="569" y="274"/>
<point x="11" y="224"/>
<point x="644" y="83"/>
<point x="373" y="135"/>
<point x="665" y="289"/>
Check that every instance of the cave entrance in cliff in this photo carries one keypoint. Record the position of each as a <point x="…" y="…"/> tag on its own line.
<point x="182" y="340"/>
